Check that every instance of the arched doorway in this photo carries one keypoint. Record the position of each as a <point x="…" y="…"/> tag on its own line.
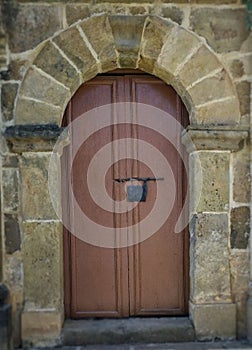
<point x="149" y="278"/>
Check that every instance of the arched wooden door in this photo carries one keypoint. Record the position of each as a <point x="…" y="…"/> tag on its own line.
<point x="149" y="278"/>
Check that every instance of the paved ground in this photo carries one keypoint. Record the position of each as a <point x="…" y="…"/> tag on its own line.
<point x="167" y="346"/>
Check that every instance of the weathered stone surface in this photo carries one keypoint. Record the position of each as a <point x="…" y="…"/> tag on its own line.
<point x="178" y="46"/>
<point x="213" y="88"/>
<point x="13" y="271"/>
<point x="173" y="13"/>
<point x="200" y="64"/>
<point x="10" y="161"/>
<point x="241" y="175"/>
<point x="35" y="112"/>
<point x="224" y="29"/>
<point x="76" y="12"/>
<point x="127" y="31"/>
<point x="34" y="171"/>
<point x="240" y="227"/>
<point x="236" y="68"/>
<point x="138" y="10"/>
<point x="210" y="280"/>
<point x="214" y="194"/>
<point x="73" y="45"/>
<point x="52" y="62"/>
<point x="101" y="40"/>
<point x="153" y="38"/>
<point x="34" y="23"/>
<point x="8" y="96"/>
<point x="16" y="70"/>
<point x="214" y="321"/>
<point x="10" y="189"/>
<point x="42" y="258"/>
<point x="12" y="233"/>
<point x="219" y="112"/>
<point x="243" y="91"/>
<point x="247" y="44"/>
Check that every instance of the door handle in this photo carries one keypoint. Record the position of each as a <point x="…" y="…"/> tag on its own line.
<point x="138" y="193"/>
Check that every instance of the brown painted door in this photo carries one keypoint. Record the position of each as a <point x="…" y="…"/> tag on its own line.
<point x="150" y="277"/>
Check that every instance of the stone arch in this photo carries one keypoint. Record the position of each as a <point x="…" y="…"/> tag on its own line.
<point x="157" y="46"/>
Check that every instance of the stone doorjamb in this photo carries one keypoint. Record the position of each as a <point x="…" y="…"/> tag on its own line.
<point x="180" y="58"/>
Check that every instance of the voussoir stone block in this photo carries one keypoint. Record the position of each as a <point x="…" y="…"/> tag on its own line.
<point x="127" y="31"/>
<point x="73" y="45"/>
<point x="153" y="38"/>
<point x="42" y="259"/>
<point x="53" y="63"/>
<point x="43" y="88"/>
<point x="35" y="112"/>
<point x="34" y="168"/>
<point x="209" y="254"/>
<point x="210" y="189"/>
<point x="75" y="12"/>
<point x="224" y="29"/>
<point x="101" y="40"/>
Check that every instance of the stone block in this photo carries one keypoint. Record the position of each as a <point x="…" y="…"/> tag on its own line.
<point x="240" y="228"/>
<point x="16" y="69"/>
<point x="177" y="47"/>
<point x="224" y="29"/>
<point x="212" y="88"/>
<point x="173" y="13"/>
<point x="243" y="91"/>
<point x="73" y="45"/>
<point x="201" y="63"/>
<point x="41" y="328"/>
<point x="239" y="267"/>
<point x="29" y="25"/>
<point x="236" y="68"/>
<point x="40" y="87"/>
<point x="10" y="190"/>
<point x="10" y="161"/>
<point x="241" y="175"/>
<point x="35" y="112"/>
<point x="75" y="12"/>
<point x="52" y="62"/>
<point x="214" y="321"/>
<point x="153" y="38"/>
<point x="209" y="255"/>
<point x="218" y="112"/>
<point x="8" y="96"/>
<point x="34" y="169"/>
<point x="127" y="31"/>
<point x="213" y="196"/>
<point x="42" y="259"/>
<point x="138" y="10"/>
<point x="101" y="40"/>
<point x="12" y="233"/>
<point x="13" y="271"/>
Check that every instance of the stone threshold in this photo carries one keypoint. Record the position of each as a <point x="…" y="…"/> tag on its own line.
<point x="130" y="330"/>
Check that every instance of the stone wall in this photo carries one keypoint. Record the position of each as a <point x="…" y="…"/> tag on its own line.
<point x="210" y="66"/>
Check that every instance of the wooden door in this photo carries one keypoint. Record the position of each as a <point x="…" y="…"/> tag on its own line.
<point x="150" y="277"/>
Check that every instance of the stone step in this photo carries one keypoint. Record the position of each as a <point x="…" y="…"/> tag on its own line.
<point x="130" y="330"/>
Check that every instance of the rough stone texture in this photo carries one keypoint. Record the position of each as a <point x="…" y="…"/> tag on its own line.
<point x="127" y="31"/>
<point x="240" y="227"/>
<point x="12" y="233"/>
<point x="224" y="29"/>
<point x="73" y="45"/>
<point x="42" y="259"/>
<point x="153" y="38"/>
<point x="236" y="68"/>
<point x="213" y="88"/>
<point x="13" y="271"/>
<point x="44" y="89"/>
<point x="214" y="194"/>
<point x="243" y="91"/>
<point x="241" y="175"/>
<point x="35" y="190"/>
<point x="200" y="64"/>
<point x="239" y="265"/>
<point x="76" y="12"/>
<point x="209" y="270"/>
<point x="213" y="321"/>
<point x="34" y="23"/>
<point x="16" y="69"/>
<point x="52" y="62"/>
<point x="173" y="13"/>
<point x="41" y="328"/>
<point x="138" y="10"/>
<point x="10" y="161"/>
<point x="34" y="112"/>
<point x="8" y="96"/>
<point x="10" y="190"/>
<point x="101" y="40"/>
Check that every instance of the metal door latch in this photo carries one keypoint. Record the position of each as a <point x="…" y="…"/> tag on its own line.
<point x="138" y="193"/>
